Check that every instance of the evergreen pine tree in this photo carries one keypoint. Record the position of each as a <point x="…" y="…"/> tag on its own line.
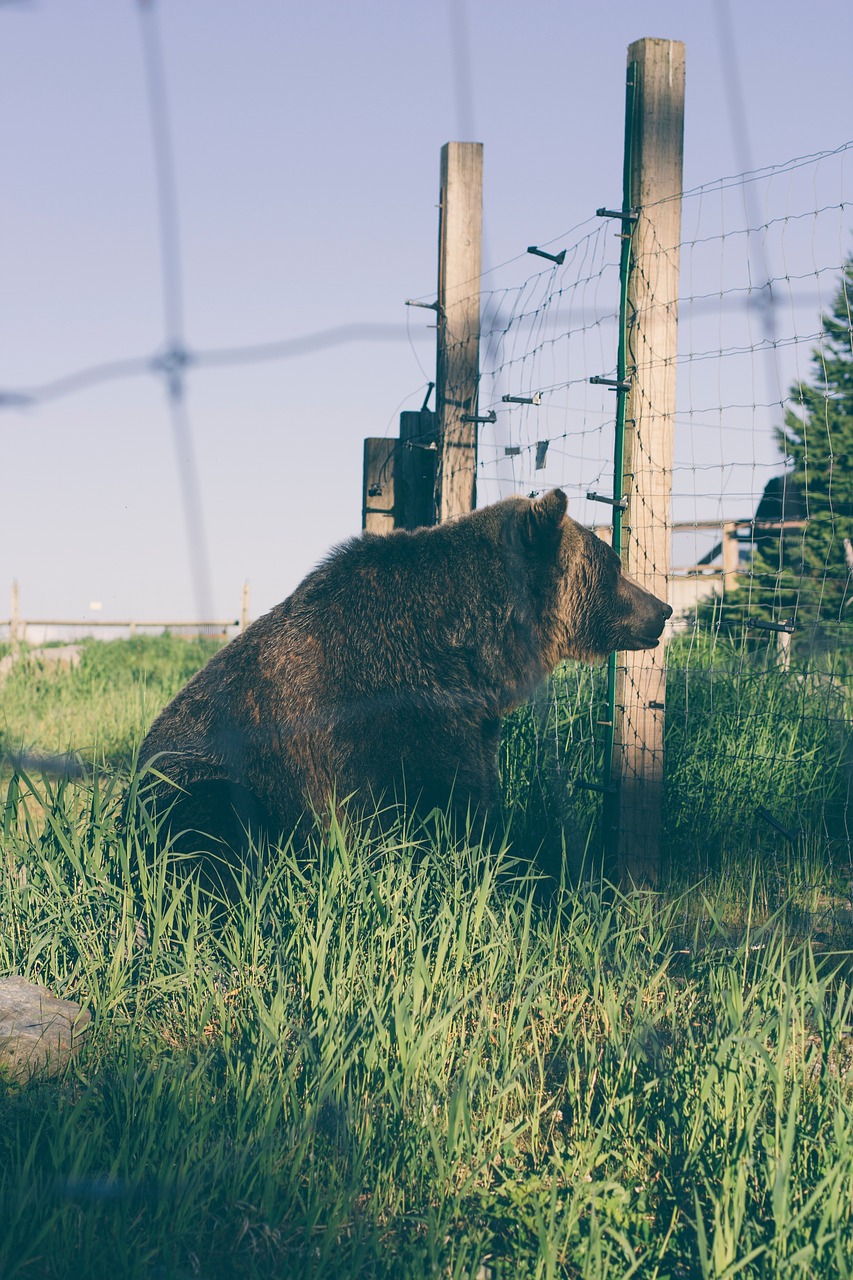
<point x="805" y="572"/>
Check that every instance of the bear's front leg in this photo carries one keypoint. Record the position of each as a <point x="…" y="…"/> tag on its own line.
<point x="453" y="766"/>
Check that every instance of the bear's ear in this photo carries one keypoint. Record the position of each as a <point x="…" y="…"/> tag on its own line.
<point x="544" y="517"/>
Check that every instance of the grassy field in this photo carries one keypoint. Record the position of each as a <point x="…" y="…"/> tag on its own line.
<point x="427" y="1060"/>
<point x="102" y="708"/>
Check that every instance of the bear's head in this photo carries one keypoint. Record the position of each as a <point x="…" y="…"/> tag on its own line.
<point x="590" y="607"/>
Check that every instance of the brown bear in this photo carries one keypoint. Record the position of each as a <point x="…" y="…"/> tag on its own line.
<point x="387" y="672"/>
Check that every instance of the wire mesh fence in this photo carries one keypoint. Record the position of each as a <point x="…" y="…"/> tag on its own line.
<point x="759" y="685"/>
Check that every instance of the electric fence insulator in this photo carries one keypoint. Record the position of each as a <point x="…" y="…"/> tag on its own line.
<point x="620" y="503"/>
<point x="559" y="258"/>
<point x="610" y="382"/>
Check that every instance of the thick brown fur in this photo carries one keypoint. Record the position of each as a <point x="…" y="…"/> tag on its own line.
<point x="386" y="674"/>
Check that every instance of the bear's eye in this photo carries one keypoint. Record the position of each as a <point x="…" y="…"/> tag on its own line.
<point x="614" y="565"/>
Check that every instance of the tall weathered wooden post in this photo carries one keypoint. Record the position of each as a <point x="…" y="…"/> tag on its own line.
<point x="643" y="474"/>
<point x="460" y="232"/>
<point x="430" y="473"/>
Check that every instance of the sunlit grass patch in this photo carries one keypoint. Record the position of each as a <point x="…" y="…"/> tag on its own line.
<point x="102" y="708"/>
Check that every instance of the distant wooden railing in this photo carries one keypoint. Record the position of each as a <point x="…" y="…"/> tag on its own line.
<point x="728" y="547"/>
<point x="18" y="626"/>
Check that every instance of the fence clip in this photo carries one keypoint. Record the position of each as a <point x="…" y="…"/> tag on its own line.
<point x="428" y="306"/>
<point x="580" y="785"/>
<point x="631" y="216"/>
<point x="559" y="258"/>
<point x="491" y="416"/>
<point x="657" y="706"/>
<point x="172" y="361"/>
<point x="789" y="627"/>
<point x="793" y="836"/>
<point x="536" y="398"/>
<point x="430" y="389"/>
<point x="512" y="450"/>
<point x="621" y="503"/>
<point x="610" y="382"/>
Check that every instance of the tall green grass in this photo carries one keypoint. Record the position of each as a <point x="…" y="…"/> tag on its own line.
<point x="414" y="1057"/>
<point x="395" y="1061"/>
<point x="758" y="769"/>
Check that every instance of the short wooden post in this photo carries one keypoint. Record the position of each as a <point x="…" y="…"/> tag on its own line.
<point x="416" y="469"/>
<point x="15" y="617"/>
<point x="379" y="483"/>
<point x="458" y="353"/>
<point x="731" y="556"/>
<point x="244" y="607"/>
<point x="655" y="150"/>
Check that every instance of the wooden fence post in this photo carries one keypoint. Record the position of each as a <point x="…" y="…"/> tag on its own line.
<point x="731" y="556"/>
<point x="15" y="617"/>
<point x="655" y="148"/>
<point x="458" y="353"/>
<point x="416" y="469"/>
<point x="378" y="507"/>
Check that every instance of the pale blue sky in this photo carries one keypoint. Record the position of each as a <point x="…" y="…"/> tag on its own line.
<point x="306" y="142"/>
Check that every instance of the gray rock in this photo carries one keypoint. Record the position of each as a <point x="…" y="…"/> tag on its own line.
<point x="38" y="1031"/>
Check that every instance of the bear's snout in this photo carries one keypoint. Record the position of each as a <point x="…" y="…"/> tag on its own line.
<point x="646" y="615"/>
